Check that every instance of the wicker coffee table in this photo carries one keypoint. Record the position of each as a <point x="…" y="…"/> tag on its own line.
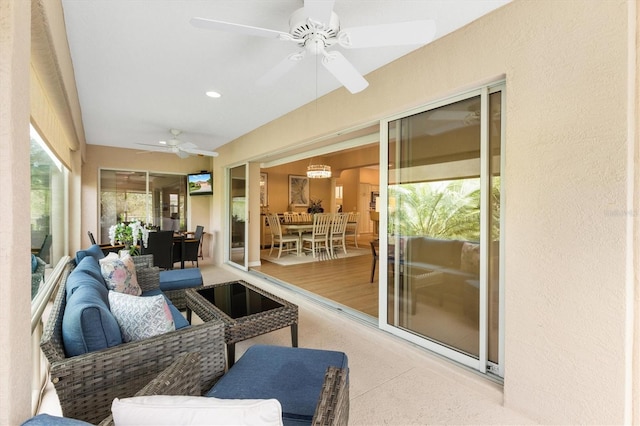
<point x="246" y="311"/>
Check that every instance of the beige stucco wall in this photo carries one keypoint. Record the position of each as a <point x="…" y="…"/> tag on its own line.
<point x="567" y="182"/>
<point x="572" y="296"/>
<point x="15" y="345"/>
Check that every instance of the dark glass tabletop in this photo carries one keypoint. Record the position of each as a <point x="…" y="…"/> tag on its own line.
<point x="237" y="300"/>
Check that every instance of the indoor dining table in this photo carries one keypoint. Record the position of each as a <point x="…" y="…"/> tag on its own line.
<point x="300" y="228"/>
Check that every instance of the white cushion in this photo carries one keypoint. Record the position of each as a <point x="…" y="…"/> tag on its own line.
<point x="195" y="410"/>
<point x="119" y="272"/>
<point x="140" y="317"/>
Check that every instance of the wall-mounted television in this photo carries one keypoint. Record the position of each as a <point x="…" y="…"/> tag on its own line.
<point x="200" y="183"/>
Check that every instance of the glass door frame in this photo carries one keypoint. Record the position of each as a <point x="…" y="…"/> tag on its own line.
<point x="481" y="364"/>
<point x="229" y="221"/>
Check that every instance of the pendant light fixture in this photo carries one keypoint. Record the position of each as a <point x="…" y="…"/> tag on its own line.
<point x="318" y="171"/>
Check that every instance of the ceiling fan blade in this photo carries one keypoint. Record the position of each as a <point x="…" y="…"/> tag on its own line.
<point x="182" y="154"/>
<point x="319" y="10"/>
<point x="211" y="24"/>
<point x="199" y="152"/>
<point x="397" y="34"/>
<point x="342" y="70"/>
<point x="281" y="68"/>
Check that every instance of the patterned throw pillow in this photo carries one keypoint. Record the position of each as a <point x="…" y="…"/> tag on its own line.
<point x="140" y="317"/>
<point x="120" y="274"/>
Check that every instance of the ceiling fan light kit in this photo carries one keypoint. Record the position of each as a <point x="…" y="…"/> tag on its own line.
<point x="181" y="149"/>
<point x="316" y="27"/>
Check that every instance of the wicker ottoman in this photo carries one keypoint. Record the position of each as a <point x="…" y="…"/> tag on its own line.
<point x="293" y="376"/>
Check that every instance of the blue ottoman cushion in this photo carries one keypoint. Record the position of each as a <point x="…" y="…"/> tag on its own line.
<point x="178" y="279"/>
<point x="293" y="376"/>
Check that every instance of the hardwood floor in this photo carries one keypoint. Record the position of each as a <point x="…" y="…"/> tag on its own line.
<point x="344" y="281"/>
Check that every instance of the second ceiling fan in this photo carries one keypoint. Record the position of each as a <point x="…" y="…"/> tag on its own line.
<point x="316" y="27"/>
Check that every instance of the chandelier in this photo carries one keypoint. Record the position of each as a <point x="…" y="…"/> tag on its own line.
<point x="318" y="171"/>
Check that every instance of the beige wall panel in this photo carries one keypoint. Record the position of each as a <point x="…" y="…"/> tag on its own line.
<point x="566" y="175"/>
<point x="15" y="342"/>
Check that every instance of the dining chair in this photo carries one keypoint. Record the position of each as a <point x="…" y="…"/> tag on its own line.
<point x="374" y="253"/>
<point x="192" y="246"/>
<point x="44" y="251"/>
<point x="352" y="227"/>
<point x="319" y="236"/>
<point x="160" y="245"/>
<point x="285" y="241"/>
<point x="337" y="233"/>
<point x="290" y="217"/>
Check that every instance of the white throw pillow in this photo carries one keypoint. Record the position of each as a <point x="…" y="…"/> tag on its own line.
<point x="120" y="274"/>
<point x="140" y="317"/>
<point x="161" y="410"/>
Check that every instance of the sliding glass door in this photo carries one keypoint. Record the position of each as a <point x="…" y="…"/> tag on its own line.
<point x="441" y="282"/>
<point x="237" y="216"/>
<point x="156" y="199"/>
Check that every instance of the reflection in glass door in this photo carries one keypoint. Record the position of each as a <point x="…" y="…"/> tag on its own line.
<point x="238" y="215"/>
<point x="443" y="228"/>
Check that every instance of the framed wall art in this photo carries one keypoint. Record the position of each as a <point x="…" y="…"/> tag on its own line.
<point x="264" y="200"/>
<point x="298" y="190"/>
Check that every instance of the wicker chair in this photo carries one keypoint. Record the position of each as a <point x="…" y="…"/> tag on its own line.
<point x="87" y="384"/>
<point x="183" y="376"/>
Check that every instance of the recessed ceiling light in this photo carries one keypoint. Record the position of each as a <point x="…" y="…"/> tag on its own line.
<point x="213" y="94"/>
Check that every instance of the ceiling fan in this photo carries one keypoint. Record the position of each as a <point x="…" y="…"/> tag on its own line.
<point x="181" y="149"/>
<point x="316" y="27"/>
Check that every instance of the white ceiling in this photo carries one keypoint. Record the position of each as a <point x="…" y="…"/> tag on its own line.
<point x="141" y="68"/>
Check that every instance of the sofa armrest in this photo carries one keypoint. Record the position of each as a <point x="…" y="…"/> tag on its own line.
<point x="333" y="404"/>
<point x="180" y="378"/>
<point x="148" y="278"/>
<point x="87" y="384"/>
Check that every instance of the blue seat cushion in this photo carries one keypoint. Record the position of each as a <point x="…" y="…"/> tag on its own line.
<point x="293" y="376"/>
<point x="49" y="420"/>
<point x="178" y="279"/>
<point x="178" y="319"/>
<point x="94" y="251"/>
<point x="34" y="263"/>
<point x="87" y="323"/>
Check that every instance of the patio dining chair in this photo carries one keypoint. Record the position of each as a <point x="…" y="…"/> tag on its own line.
<point x="160" y="245"/>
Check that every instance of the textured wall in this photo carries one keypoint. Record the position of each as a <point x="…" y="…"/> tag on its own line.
<point x="15" y="344"/>
<point x="567" y="179"/>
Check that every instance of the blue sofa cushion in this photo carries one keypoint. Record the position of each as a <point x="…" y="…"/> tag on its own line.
<point x="178" y="319"/>
<point x="90" y="266"/>
<point x="293" y="376"/>
<point x="178" y="279"/>
<point x="34" y="263"/>
<point x="49" y="420"/>
<point x="87" y="323"/>
<point x="94" y="251"/>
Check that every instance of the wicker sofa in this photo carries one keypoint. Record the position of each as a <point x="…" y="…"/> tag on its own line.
<point x="86" y="384"/>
